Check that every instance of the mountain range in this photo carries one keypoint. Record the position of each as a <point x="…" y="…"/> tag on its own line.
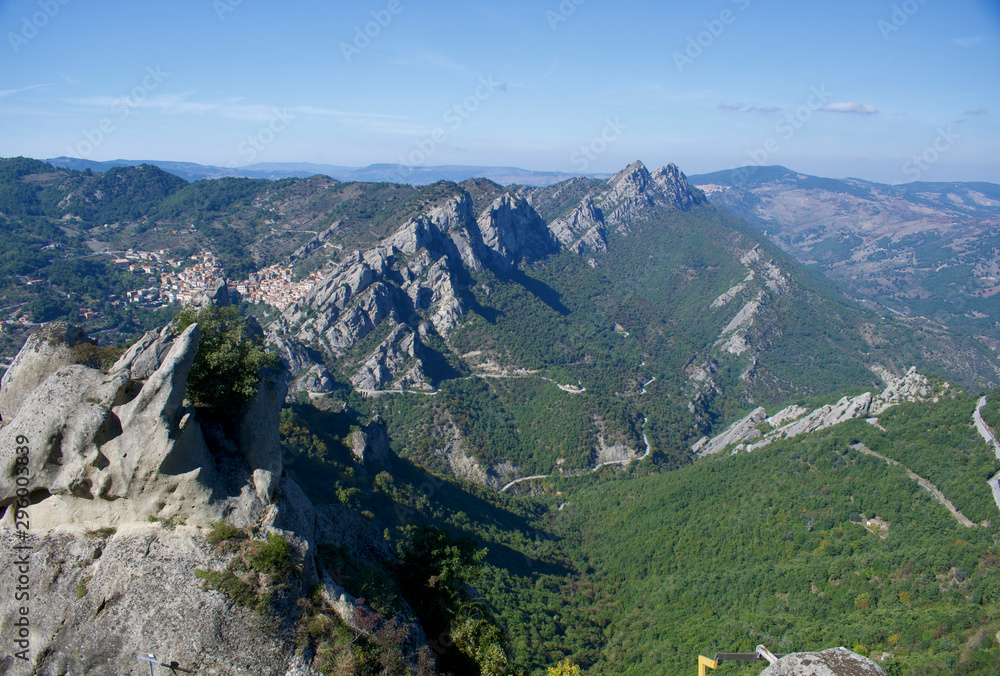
<point x="919" y="249"/>
<point x="617" y="385"/>
<point x="373" y="173"/>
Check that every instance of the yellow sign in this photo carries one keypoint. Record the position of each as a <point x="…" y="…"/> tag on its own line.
<point x="703" y="663"/>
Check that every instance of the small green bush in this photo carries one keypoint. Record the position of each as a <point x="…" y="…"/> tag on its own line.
<point x="273" y="558"/>
<point x="81" y="589"/>
<point x="223" y="531"/>
<point x="227" y="366"/>
<point x="96" y="357"/>
<point x="101" y="533"/>
<point x="230" y="585"/>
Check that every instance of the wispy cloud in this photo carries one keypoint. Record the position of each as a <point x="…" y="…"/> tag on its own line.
<point x="977" y="111"/>
<point x="850" y="107"/>
<point x="10" y="92"/>
<point x="739" y="107"/>
<point x="432" y="60"/>
<point x="236" y="109"/>
<point x="969" y="41"/>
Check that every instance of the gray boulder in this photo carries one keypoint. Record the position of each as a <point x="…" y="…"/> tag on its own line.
<point x="831" y="662"/>
<point x="97" y="603"/>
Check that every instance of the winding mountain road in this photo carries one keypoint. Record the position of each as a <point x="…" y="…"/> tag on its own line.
<point x="626" y="461"/>
<point x="986" y="433"/>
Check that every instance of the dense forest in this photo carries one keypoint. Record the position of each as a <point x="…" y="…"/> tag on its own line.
<point x="637" y="571"/>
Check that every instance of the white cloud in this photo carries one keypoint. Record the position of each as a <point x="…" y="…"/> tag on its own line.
<point x="430" y="59"/>
<point x="969" y="41"/>
<point x="10" y="92"/>
<point x="237" y="110"/>
<point x="850" y="107"/>
<point x="739" y="107"/>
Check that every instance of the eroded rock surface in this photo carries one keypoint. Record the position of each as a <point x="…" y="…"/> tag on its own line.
<point x="832" y="662"/>
<point x="46" y="350"/>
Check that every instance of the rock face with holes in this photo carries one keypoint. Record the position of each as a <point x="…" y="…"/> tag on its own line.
<point x="110" y="448"/>
<point x="832" y="662"/>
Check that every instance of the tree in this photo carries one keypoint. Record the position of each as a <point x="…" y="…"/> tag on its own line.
<point x="229" y="361"/>
<point x="564" y="668"/>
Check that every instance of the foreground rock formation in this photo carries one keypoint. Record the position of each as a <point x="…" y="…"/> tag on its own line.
<point x="108" y="484"/>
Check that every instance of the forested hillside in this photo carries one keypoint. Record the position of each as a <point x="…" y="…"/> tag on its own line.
<point x="805" y="544"/>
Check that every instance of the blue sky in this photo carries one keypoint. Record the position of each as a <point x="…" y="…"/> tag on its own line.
<point x="885" y="90"/>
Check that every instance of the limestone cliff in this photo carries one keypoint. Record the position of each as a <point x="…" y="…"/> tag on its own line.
<point x="413" y="280"/>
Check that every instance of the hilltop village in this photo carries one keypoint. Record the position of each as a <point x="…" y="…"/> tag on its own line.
<point x="171" y="281"/>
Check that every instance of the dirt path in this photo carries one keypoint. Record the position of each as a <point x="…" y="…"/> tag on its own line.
<point x="924" y="483"/>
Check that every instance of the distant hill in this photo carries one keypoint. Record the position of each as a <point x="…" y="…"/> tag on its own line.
<point x="919" y="248"/>
<point x="375" y="173"/>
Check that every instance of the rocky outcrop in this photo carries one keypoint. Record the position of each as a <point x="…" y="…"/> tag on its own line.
<point x="738" y="431"/>
<point x="630" y="198"/>
<point x="395" y="360"/>
<point x="217" y="295"/>
<point x="127" y="460"/>
<point x="371" y="444"/>
<point x="912" y="386"/>
<point x="100" y="602"/>
<point x="512" y="230"/>
<point x="142" y="359"/>
<point x="674" y="187"/>
<point x="45" y="351"/>
<point x="764" y="282"/>
<point x="635" y="194"/>
<point x="847" y="408"/>
<point x="831" y="662"/>
<point x="583" y="229"/>
<point x="107" y="449"/>
<point x="796" y="420"/>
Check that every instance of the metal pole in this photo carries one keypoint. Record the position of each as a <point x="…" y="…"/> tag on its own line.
<point x="148" y="658"/>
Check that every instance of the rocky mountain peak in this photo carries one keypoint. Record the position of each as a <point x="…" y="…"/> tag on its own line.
<point x="630" y="182"/>
<point x="675" y="187"/>
<point x="634" y="193"/>
<point x="513" y="230"/>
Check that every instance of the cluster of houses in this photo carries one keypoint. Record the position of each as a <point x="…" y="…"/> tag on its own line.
<point x="176" y="280"/>
<point x="275" y="286"/>
<point x="185" y="285"/>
